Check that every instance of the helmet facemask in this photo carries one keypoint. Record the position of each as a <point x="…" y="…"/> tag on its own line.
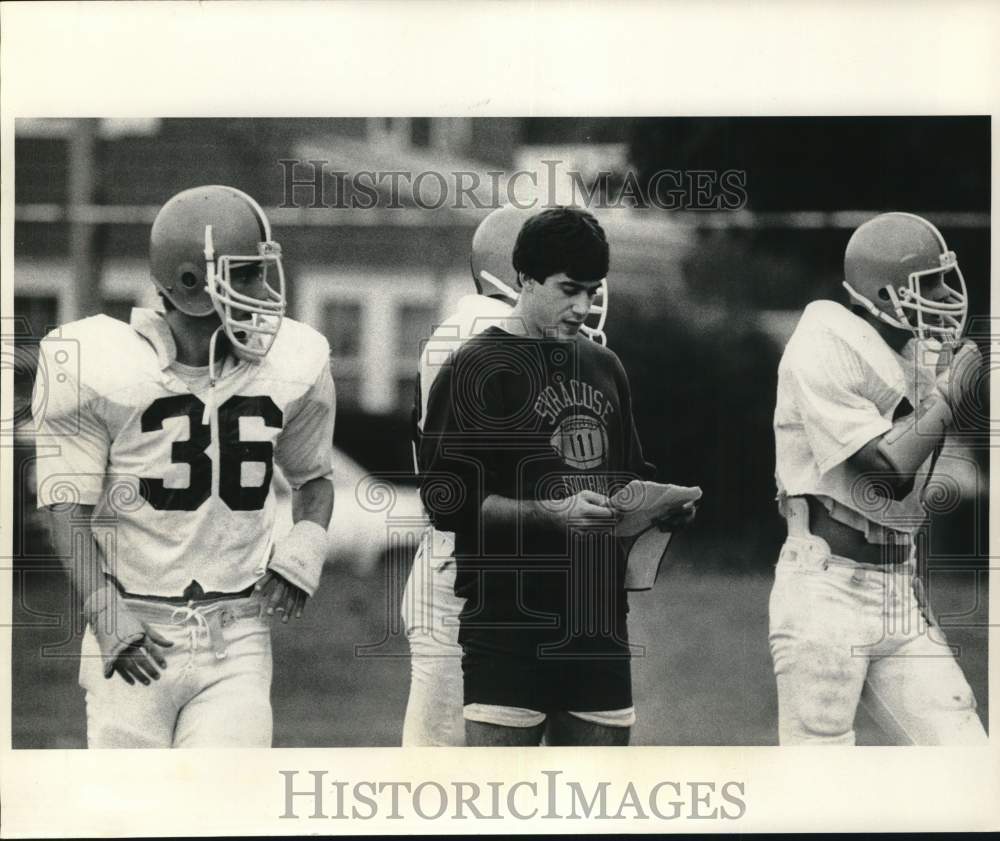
<point x="593" y="326"/>
<point x="910" y="308"/>
<point x="250" y="337"/>
<point x="948" y="314"/>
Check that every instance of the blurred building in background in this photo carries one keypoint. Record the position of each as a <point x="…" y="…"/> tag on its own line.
<point x="704" y="290"/>
<point x="374" y="279"/>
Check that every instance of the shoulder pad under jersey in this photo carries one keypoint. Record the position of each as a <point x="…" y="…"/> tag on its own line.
<point x="299" y="352"/>
<point x="473" y="315"/>
<point x="476" y="313"/>
<point x="832" y="338"/>
<point x="101" y="353"/>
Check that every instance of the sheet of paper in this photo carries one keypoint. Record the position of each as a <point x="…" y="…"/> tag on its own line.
<point x="645" y="558"/>
<point x="642" y="502"/>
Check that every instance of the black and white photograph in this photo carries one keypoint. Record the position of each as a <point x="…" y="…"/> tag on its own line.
<point x="589" y="437"/>
<point x="732" y="323"/>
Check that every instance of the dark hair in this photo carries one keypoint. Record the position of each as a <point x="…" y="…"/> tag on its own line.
<point x="562" y="240"/>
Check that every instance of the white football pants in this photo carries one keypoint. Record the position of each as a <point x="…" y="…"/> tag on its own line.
<point x="430" y="612"/>
<point x="843" y="633"/>
<point x="214" y="693"/>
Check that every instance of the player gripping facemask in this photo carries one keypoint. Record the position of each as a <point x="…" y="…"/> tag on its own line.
<point x="865" y="398"/>
<point x="898" y="267"/>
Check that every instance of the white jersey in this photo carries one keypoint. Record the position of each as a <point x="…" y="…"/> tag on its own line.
<point x="839" y="386"/>
<point x="181" y="469"/>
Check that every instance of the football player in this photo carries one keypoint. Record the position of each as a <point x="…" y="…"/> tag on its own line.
<point x="866" y="394"/>
<point x="156" y="449"/>
<point x="430" y="607"/>
<point x="527" y="431"/>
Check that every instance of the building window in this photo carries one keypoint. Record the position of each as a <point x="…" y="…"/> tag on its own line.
<point x="405" y="393"/>
<point x="415" y="324"/>
<point x="119" y="308"/>
<point x="342" y="328"/>
<point x="375" y="324"/>
<point x="34" y="316"/>
<point x="343" y="325"/>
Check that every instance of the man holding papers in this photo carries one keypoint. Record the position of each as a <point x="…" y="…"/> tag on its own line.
<point x="528" y="436"/>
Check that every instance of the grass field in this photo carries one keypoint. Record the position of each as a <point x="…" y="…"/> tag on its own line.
<point x="705" y="677"/>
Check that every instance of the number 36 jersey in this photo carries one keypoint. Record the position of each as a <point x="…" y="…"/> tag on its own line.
<point x="179" y="470"/>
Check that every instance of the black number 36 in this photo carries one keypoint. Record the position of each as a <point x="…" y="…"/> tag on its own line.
<point x="232" y="452"/>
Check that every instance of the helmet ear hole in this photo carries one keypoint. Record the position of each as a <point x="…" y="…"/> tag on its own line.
<point x="189" y="280"/>
<point x="883" y="294"/>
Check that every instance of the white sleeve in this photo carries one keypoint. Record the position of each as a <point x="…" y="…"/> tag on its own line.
<point x="839" y="419"/>
<point x="72" y="442"/>
<point x="305" y="446"/>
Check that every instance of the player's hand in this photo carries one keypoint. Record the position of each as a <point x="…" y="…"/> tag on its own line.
<point x="142" y="661"/>
<point x="589" y="508"/>
<point x="677" y="518"/>
<point x="959" y="368"/>
<point x="278" y="595"/>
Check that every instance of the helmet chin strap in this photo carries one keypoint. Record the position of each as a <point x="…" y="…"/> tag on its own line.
<point x="206" y="418"/>
<point x="513" y="294"/>
<point x="211" y="354"/>
<point x="875" y="311"/>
